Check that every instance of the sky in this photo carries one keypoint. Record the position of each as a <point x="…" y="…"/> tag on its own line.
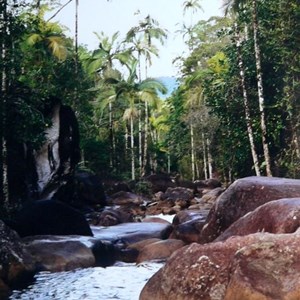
<point x="121" y="15"/>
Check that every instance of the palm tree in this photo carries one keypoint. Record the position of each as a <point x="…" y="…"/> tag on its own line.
<point x="192" y="5"/>
<point x="101" y="64"/>
<point x="236" y="5"/>
<point x="47" y="38"/>
<point x="130" y="91"/>
<point x="141" y="37"/>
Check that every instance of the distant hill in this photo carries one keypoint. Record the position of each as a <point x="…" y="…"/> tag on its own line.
<point x="171" y="84"/>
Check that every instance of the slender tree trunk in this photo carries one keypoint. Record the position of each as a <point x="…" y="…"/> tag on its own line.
<point x="4" y="192"/>
<point x="246" y="104"/>
<point x="169" y="161"/>
<point x="192" y="151"/>
<point x="132" y="149"/>
<point x="205" y="164"/>
<point x="110" y="136"/>
<point x="209" y="159"/>
<point x="140" y="140"/>
<point x="76" y="36"/>
<point x="260" y="91"/>
<point x="145" y="152"/>
<point x="76" y="51"/>
<point x="126" y="142"/>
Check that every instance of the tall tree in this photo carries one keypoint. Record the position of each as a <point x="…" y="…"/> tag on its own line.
<point x="4" y="32"/>
<point x="238" y="5"/>
<point x="246" y="102"/>
<point x="142" y="37"/>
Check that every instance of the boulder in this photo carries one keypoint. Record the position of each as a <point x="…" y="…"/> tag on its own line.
<point x="188" y="225"/>
<point x="160" y="250"/>
<point x="113" y="187"/>
<point x="89" y="189"/>
<point x="49" y="217"/>
<point x="179" y="194"/>
<point x="266" y="270"/>
<point x="112" y="216"/>
<point x="155" y="220"/>
<point x="59" y="254"/>
<point x="188" y="215"/>
<point x="55" y="161"/>
<point x="210" y="196"/>
<point x="202" y="185"/>
<point x="129" y="233"/>
<point x="140" y="245"/>
<point x="257" y="266"/>
<point x="16" y="264"/>
<point x="161" y="207"/>
<point x="278" y="216"/>
<point x="160" y="182"/>
<point x="243" y="196"/>
<point x="105" y="253"/>
<point x="126" y="198"/>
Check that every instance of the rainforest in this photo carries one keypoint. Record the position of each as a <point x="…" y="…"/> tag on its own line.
<point x="233" y="112"/>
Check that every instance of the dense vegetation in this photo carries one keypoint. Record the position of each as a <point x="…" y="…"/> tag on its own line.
<point x="235" y="112"/>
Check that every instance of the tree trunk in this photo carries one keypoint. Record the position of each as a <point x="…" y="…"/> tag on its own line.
<point x="4" y="193"/>
<point x="140" y="141"/>
<point x="75" y="101"/>
<point x="209" y="159"/>
<point x="260" y="90"/>
<point x="145" y="154"/>
<point x="246" y="104"/>
<point x="192" y="151"/>
<point x="111" y="146"/>
<point x="205" y="164"/>
<point x="132" y="149"/>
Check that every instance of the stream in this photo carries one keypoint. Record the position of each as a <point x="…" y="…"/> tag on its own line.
<point x="121" y="281"/>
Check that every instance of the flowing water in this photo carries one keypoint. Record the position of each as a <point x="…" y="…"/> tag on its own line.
<point x="121" y="281"/>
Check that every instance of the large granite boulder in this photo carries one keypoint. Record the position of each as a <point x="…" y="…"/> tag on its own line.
<point x="259" y="266"/>
<point x="129" y="233"/>
<point x="49" y="217"/>
<point x="278" y="216"/>
<point x="243" y="196"/>
<point x="56" y="254"/>
<point x="16" y="264"/>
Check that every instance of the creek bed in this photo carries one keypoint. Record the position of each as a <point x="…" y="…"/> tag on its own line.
<point x="121" y="281"/>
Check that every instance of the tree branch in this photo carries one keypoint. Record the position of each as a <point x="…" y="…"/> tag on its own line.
<point x="59" y="10"/>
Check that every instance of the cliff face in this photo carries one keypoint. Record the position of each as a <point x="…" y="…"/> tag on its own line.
<point x="38" y="174"/>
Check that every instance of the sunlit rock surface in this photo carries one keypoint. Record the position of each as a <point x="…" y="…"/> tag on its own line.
<point x="243" y="196"/>
<point x="260" y="266"/>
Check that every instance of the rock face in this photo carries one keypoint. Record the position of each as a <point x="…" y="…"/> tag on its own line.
<point x="258" y="266"/>
<point x="50" y="217"/>
<point x="278" y="216"/>
<point x="16" y="264"/>
<point x="56" y="159"/>
<point x="243" y="196"/>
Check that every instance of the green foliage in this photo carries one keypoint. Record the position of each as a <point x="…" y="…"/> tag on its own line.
<point x="109" y="94"/>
